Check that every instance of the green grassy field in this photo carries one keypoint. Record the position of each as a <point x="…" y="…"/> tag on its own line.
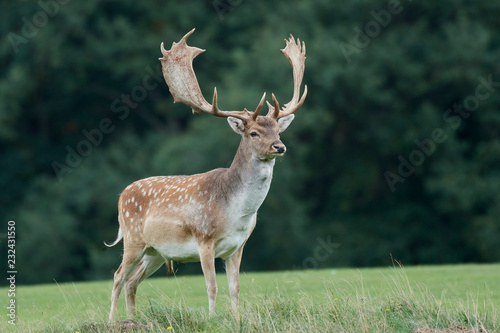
<point x="465" y="298"/>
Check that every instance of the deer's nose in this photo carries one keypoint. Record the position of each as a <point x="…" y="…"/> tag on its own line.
<point x="279" y="147"/>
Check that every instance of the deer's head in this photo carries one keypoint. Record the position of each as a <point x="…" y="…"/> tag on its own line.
<point x="260" y="134"/>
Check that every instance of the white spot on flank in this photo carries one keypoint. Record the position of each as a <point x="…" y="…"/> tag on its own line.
<point x="127" y="214"/>
<point x="140" y="208"/>
<point x="133" y="199"/>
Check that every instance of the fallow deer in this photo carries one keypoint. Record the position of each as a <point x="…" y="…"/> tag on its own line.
<point x="208" y="215"/>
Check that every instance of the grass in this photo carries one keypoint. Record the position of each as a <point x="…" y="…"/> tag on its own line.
<point x="464" y="298"/>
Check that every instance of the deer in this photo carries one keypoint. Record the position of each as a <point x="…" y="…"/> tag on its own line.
<point x="210" y="215"/>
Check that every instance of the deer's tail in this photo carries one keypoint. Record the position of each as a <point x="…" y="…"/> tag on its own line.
<point x="118" y="239"/>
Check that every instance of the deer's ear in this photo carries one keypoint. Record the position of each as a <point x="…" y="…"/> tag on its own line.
<point x="284" y="122"/>
<point x="237" y="125"/>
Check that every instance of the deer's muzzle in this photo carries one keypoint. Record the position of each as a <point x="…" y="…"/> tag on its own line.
<point x="279" y="147"/>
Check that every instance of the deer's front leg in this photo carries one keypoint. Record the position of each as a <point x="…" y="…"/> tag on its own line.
<point x="233" y="277"/>
<point x="207" y="258"/>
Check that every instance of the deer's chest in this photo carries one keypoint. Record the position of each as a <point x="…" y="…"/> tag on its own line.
<point x="242" y="212"/>
<point x="235" y="236"/>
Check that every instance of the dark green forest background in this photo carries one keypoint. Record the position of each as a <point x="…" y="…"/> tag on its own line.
<point x="396" y="151"/>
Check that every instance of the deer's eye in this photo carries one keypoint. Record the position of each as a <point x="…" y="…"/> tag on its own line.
<point x="254" y="134"/>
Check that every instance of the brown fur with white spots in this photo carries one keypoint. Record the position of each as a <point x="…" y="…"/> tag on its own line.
<point x="209" y="215"/>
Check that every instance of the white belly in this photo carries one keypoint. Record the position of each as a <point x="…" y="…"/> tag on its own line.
<point x="187" y="251"/>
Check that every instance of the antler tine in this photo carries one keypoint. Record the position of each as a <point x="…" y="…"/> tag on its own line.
<point x="276" y="107"/>
<point x="177" y="66"/>
<point x="295" y="52"/>
<point x="215" y="108"/>
<point x="259" y="107"/>
<point x="243" y="115"/>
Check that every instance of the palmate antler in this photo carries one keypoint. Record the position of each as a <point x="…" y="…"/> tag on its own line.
<point x="177" y="65"/>
<point x="296" y="55"/>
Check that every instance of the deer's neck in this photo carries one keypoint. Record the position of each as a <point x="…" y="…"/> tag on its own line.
<point x="250" y="180"/>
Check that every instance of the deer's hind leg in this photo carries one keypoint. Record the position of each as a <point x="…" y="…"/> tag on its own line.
<point x="148" y="265"/>
<point x="131" y="258"/>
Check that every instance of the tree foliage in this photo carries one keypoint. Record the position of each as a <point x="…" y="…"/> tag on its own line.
<point x="396" y="150"/>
